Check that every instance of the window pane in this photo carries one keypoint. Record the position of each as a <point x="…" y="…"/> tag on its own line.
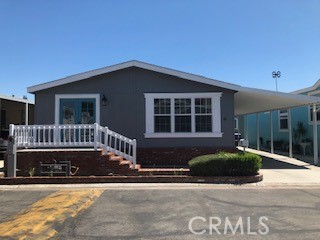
<point x="182" y="106"/>
<point x="283" y="123"/>
<point x="204" y="123"/>
<point x="203" y="105"/>
<point x="183" y="123"/>
<point x="162" y="124"/>
<point x="283" y="112"/>
<point x="162" y="106"/>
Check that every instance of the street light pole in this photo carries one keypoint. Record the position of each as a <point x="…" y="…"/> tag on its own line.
<point x="276" y="75"/>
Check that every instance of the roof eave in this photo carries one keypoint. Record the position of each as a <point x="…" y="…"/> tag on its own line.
<point x="133" y="63"/>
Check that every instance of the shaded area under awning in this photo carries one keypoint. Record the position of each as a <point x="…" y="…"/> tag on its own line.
<point x="251" y="100"/>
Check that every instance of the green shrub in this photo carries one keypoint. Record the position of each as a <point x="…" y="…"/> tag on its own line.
<point x="225" y="164"/>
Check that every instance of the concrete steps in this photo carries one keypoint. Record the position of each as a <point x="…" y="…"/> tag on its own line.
<point x="120" y="166"/>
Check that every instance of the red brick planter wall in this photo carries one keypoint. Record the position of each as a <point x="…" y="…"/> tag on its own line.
<point x="174" y="156"/>
<point x="89" y="162"/>
<point x="93" y="163"/>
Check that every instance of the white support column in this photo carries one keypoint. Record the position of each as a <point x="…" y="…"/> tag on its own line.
<point x="27" y="113"/>
<point x="258" y="131"/>
<point x="245" y="126"/>
<point x="290" y="133"/>
<point x="315" y="134"/>
<point x="271" y="133"/>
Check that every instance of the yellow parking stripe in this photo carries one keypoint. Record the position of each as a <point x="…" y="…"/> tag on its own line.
<point x="38" y="221"/>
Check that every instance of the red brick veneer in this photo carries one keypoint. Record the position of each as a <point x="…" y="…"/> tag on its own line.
<point x="89" y="162"/>
<point x="174" y="156"/>
<point x="94" y="163"/>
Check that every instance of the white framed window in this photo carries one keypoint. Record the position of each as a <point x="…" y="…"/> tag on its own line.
<point x="174" y="115"/>
<point x="311" y="114"/>
<point x="77" y="108"/>
<point x="283" y="120"/>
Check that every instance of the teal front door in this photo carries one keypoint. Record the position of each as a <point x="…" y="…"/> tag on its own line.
<point x="77" y="111"/>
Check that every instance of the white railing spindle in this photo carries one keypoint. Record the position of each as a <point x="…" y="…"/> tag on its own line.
<point x="74" y="135"/>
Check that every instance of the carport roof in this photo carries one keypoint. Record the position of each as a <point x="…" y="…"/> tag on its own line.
<point x="251" y="100"/>
<point x="247" y="100"/>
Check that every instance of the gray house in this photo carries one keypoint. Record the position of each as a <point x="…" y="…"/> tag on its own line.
<point x="173" y="115"/>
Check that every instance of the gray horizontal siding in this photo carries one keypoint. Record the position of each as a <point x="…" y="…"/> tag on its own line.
<point x="125" y="110"/>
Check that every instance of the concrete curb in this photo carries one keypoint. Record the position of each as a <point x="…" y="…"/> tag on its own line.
<point x="132" y="179"/>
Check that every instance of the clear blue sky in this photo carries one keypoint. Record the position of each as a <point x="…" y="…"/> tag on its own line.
<point x="239" y="42"/>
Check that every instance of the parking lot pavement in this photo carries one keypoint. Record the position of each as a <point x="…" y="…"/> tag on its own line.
<point x="40" y="219"/>
<point x="12" y="202"/>
<point x="166" y="214"/>
<point x="160" y="212"/>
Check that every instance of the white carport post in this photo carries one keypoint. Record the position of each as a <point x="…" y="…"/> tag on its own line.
<point x="290" y="132"/>
<point x="247" y="128"/>
<point x="27" y="113"/>
<point x="315" y="134"/>
<point x="271" y="133"/>
<point x="258" y="131"/>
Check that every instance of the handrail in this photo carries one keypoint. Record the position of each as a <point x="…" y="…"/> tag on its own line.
<point x="74" y="135"/>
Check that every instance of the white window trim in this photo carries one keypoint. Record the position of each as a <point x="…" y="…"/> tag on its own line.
<point x="76" y="96"/>
<point x="309" y="118"/>
<point x="216" y="115"/>
<point x="236" y="121"/>
<point x="279" y="118"/>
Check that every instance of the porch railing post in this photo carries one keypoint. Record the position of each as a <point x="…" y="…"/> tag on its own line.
<point x="11" y="153"/>
<point x="134" y="152"/>
<point x="56" y="136"/>
<point x="96" y="136"/>
<point x="106" y="138"/>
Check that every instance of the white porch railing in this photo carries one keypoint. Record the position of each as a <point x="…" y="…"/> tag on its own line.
<point x="74" y="135"/>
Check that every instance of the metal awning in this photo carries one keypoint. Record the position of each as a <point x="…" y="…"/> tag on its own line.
<point x="251" y="100"/>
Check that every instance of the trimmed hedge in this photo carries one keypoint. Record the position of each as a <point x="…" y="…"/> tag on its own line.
<point x="226" y="164"/>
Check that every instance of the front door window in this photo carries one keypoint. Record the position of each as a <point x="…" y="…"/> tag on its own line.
<point x="77" y="111"/>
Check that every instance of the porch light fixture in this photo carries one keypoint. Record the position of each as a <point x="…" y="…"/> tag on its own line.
<point x="276" y="75"/>
<point x="104" y="100"/>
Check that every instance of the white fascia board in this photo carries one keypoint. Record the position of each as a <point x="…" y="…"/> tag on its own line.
<point x="147" y="66"/>
<point x="308" y="89"/>
<point x="16" y="99"/>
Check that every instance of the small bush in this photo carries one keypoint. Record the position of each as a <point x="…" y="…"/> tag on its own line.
<point x="226" y="164"/>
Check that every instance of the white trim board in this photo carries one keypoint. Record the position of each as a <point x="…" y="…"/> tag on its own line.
<point x="16" y="99"/>
<point x="76" y="96"/>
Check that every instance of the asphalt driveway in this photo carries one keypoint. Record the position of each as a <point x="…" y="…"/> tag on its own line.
<point x="282" y="170"/>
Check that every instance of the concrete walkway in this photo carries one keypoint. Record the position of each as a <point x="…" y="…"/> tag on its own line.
<point x="282" y="170"/>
